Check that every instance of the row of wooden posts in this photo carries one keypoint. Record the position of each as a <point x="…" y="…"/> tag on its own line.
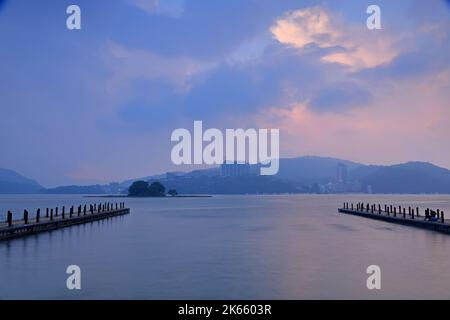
<point x="392" y="210"/>
<point x="52" y="214"/>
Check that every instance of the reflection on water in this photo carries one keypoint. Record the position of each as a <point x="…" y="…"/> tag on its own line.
<point x="241" y="247"/>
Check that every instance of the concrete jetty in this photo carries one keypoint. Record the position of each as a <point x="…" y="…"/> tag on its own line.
<point x="409" y="216"/>
<point x="53" y="218"/>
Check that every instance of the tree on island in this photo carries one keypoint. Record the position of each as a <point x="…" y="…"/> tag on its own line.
<point x="143" y="189"/>
<point x="172" y="192"/>
<point x="157" y="189"/>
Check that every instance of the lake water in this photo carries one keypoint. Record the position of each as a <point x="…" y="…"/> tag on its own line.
<point x="228" y="247"/>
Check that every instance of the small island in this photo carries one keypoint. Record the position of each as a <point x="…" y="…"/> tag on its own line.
<point x="144" y="189"/>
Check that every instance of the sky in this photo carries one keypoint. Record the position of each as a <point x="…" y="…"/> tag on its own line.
<point x="99" y="104"/>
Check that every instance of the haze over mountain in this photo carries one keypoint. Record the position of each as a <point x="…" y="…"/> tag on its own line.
<point x="307" y="174"/>
<point x="13" y="183"/>
<point x="311" y="169"/>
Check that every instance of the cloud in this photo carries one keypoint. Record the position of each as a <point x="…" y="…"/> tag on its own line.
<point x="128" y="65"/>
<point x="352" y="46"/>
<point x="397" y="127"/>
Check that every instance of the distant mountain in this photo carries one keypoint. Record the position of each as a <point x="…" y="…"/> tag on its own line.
<point x="13" y="183"/>
<point x="411" y="177"/>
<point x="303" y="174"/>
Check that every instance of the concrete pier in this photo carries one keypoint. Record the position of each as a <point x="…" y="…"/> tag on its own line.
<point x="28" y="226"/>
<point x="412" y="218"/>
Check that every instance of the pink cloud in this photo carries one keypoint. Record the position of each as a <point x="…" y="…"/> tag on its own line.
<point x="407" y="121"/>
<point x="359" y="47"/>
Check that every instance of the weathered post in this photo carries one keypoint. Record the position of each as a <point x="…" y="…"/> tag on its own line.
<point x="63" y="212"/>
<point x="84" y="210"/>
<point x="71" y="212"/>
<point x="390" y="208"/>
<point x="46" y="213"/>
<point x="116" y="205"/>
<point x="442" y="217"/>
<point x="417" y="211"/>
<point x="92" y="209"/>
<point x="9" y="218"/>
<point x="404" y="213"/>
<point x="25" y="216"/>
<point x="438" y="211"/>
<point x="409" y="211"/>
<point x="79" y="210"/>
<point x="352" y="206"/>
<point x="56" y="212"/>
<point x="51" y="214"/>
<point x="38" y="215"/>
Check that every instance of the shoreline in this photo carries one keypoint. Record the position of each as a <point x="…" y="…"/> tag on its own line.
<point x="169" y="197"/>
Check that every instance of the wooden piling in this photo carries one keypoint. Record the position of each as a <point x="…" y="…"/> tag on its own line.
<point x="9" y="218"/>
<point x="25" y="216"/>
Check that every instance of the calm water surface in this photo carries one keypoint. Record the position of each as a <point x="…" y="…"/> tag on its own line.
<point x="228" y="247"/>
